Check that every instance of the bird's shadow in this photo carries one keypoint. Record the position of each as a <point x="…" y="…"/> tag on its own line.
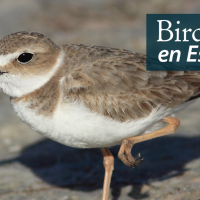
<point x="82" y="169"/>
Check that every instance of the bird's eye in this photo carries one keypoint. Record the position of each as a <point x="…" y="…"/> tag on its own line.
<point x="25" y="57"/>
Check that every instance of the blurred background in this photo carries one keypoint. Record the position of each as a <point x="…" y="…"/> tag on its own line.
<point x="35" y="168"/>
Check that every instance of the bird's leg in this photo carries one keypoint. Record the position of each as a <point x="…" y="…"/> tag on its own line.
<point x="108" y="161"/>
<point x="127" y="144"/>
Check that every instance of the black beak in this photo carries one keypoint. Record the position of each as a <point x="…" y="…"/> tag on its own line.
<point x="2" y="72"/>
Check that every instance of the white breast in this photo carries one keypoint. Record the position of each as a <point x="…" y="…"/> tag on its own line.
<point x="76" y="126"/>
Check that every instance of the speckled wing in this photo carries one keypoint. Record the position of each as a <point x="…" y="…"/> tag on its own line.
<point x="115" y="83"/>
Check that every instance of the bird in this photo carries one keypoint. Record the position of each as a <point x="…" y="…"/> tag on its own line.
<point x="88" y="96"/>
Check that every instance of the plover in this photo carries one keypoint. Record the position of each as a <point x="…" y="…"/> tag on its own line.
<point x="92" y="96"/>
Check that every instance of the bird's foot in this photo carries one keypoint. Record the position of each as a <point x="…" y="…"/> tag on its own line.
<point x="125" y="154"/>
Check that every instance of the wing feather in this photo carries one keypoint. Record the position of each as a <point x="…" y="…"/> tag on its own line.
<point x="115" y="83"/>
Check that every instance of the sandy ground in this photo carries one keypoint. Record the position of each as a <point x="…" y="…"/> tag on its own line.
<point x="35" y="168"/>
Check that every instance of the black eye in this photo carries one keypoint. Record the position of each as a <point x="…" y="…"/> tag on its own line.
<point x="25" y="57"/>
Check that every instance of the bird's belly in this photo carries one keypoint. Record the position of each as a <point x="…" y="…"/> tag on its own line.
<point x="76" y="126"/>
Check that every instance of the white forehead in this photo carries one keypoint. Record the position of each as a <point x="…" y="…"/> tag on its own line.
<point x="5" y="59"/>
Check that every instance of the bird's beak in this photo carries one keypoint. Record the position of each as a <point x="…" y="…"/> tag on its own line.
<point x="1" y="72"/>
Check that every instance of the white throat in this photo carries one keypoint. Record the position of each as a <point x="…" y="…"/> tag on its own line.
<point x="17" y="85"/>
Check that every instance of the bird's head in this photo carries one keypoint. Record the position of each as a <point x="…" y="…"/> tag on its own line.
<point x="27" y="60"/>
